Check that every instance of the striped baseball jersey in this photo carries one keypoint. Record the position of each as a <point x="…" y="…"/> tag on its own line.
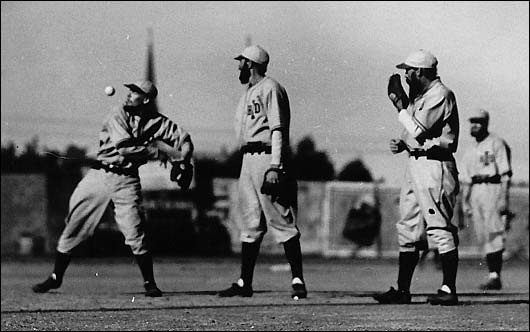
<point x="263" y="108"/>
<point x="125" y="137"/>
<point x="434" y="116"/>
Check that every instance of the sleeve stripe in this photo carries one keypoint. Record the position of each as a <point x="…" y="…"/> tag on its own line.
<point x="419" y="124"/>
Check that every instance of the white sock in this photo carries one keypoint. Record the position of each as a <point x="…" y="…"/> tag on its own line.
<point x="297" y="280"/>
<point x="445" y="289"/>
<point x="240" y="282"/>
<point x="493" y="275"/>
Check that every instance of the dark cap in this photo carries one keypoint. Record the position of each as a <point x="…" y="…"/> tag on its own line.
<point x="146" y="87"/>
<point x="480" y="115"/>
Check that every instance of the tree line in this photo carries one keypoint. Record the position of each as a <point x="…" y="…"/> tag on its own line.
<point x="308" y="163"/>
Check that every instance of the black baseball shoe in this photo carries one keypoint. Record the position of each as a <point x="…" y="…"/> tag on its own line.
<point x="393" y="296"/>
<point x="151" y="290"/>
<point x="46" y="285"/>
<point x="299" y="291"/>
<point x="492" y="284"/>
<point x="236" y="290"/>
<point x="443" y="298"/>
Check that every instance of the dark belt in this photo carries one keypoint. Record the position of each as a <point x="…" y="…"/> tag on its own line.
<point x="115" y="169"/>
<point x="485" y="179"/>
<point x="256" y="147"/>
<point x="435" y="155"/>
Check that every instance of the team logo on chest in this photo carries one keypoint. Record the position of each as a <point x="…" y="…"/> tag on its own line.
<point x="254" y="107"/>
<point x="487" y="158"/>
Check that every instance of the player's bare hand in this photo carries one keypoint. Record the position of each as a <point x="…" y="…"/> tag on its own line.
<point x="397" y="145"/>
<point x="272" y="177"/>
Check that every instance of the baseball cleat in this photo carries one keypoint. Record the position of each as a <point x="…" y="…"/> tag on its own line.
<point x="151" y="290"/>
<point x="443" y="298"/>
<point x="393" y="296"/>
<point x="236" y="290"/>
<point x="299" y="291"/>
<point x="492" y="284"/>
<point x="46" y="285"/>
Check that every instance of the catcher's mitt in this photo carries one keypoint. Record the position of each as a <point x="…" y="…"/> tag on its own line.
<point x="181" y="173"/>
<point x="273" y="189"/>
<point x="396" y="92"/>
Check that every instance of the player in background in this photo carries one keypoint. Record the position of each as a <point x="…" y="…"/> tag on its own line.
<point x="262" y="128"/>
<point x="129" y="138"/>
<point x="486" y="178"/>
<point x="428" y="195"/>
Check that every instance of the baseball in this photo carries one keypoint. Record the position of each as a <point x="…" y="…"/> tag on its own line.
<point x="109" y="91"/>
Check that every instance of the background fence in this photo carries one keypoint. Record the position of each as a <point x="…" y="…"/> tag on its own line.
<point x="31" y="222"/>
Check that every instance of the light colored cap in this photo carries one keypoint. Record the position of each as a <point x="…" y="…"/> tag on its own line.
<point x="419" y="59"/>
<point x="146" y="87"/>
<point x="254" y="53"/>
<point x="480" y="115"/>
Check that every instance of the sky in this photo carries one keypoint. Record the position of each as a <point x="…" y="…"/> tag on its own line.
<point x="333" y="58"/>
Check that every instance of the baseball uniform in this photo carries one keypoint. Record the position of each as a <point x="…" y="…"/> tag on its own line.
<point x="263" y="108"/>
<point x="262" y="122"/>
<point x="127" y="140"/>
<point x="123" y="147"/>
<point x="485" y="165"/>
<point x="428" y="194"/>
<point x="431" y="179"/>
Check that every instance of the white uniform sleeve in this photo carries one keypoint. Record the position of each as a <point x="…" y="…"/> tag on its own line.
<point x="276" y="149"/>
<point x="277" y="105"/>
<point x="502" y="158"/>
<point x="412" y="127"/>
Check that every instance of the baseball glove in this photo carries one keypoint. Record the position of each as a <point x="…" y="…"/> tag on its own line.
<point x="273" y="189"/>
<point x="396" y="92"/>
<point x="181" y="173"/>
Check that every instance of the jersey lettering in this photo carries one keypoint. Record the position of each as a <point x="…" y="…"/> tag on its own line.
<point x="487" y="158"/>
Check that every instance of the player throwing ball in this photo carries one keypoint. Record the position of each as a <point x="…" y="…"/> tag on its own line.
<point x="267" y="187"/>
<point x="131" y="135"/>
<point x="428" y="194"/>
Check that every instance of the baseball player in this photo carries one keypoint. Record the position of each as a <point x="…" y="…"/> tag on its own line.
<point x="128" y="139"/>
<point x="267" y="188"/>
<point x="428" y="195"/>
<point x="486" y="177"/>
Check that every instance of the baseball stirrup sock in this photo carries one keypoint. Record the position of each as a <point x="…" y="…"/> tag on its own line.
<point x="293" y="252"/>
<point x="407" y="264"/>
<point x="449" y="268"/>
<point x="249" y="255"/>
<point x="145" y="263"/>
<point x="494" y="261"/>
<point x="61" y="263"/>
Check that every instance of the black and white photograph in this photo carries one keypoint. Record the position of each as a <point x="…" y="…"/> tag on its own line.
<point x="265" y="166"/>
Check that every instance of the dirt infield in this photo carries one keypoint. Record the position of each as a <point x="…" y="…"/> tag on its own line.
<point x="106" y="294"/>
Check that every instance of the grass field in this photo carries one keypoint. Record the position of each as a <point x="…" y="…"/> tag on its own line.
<point x="106" y="294"/>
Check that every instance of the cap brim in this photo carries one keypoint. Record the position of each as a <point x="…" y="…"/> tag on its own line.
<point x="239" y="57"/>
<point x="403" y="66"/>
<point x="475" y="119"/>
<point x="134" y="87"/>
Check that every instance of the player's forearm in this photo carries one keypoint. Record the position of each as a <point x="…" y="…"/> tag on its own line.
<point x="276" y="148"/>
<point x="412" y="127"/>
<point x="505" y="189"/>
<point x="187" y="149"/>
<point x="136" y="152"/>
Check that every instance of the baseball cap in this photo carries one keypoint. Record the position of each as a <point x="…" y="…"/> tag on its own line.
<point x="419" y="59"/>
<point x="146" y="87"/>
<point x="254" y="53"/>
<point x="479" y="116"/>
